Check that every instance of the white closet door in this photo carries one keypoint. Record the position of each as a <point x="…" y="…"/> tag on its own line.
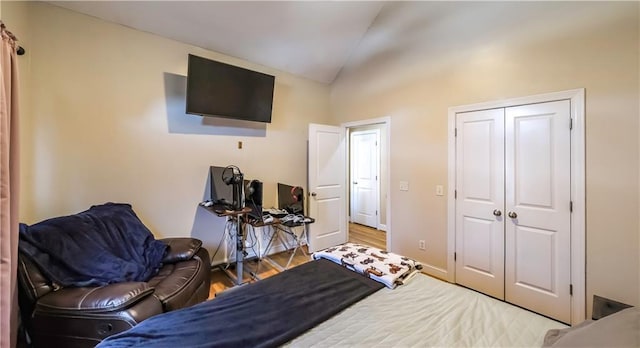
<point x="537" y="230"/>
<point x="480" y="201"/>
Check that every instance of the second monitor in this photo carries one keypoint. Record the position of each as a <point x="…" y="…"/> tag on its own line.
<point x="291" y="198"/>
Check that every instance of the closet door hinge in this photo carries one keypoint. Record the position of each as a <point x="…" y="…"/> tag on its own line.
<point x="570" y="123"/>
<point x="455" y="257"/>
<point x="455" y="132"/>
<point x="455" y="194"/>
<point x="571" y="206"/>
<point x="570" y="289"/>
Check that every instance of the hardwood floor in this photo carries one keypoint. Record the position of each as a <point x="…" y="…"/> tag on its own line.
<point x="366" y="235"/>
<point x="220" y="281"/>
<point x="357" y="234"/>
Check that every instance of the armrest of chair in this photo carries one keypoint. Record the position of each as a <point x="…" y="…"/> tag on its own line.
<point x="180" y="249"/>
<point x="108" y="298"/>
<point x="82" y="317"/>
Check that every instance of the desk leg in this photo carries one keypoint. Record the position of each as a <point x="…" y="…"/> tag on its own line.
<point x="298" y="241"/>
<point x="238" y="277"/>
<point x="239" y="251"/>
<point x="297" y="244"/>
<point x="275" y="235"/>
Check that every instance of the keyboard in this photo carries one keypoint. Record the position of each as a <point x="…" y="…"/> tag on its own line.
<point x="275" y="212"/>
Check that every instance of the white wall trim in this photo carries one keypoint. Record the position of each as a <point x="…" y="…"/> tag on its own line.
<point x="578" y="184"/>
<point x="579" y="217"/>
<point x="434" y="271"/>
<point x="386" y="123"/>
<point x="368" y="122"/>
<point x="451" y="202"/>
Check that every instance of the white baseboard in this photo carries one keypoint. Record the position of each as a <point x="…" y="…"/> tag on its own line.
<point x="436" y="272"/>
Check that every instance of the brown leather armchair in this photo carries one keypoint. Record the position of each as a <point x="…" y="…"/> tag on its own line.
<point x="83" y="316"/>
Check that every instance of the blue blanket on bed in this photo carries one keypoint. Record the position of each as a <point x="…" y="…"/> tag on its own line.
<point x="103" y="245"/>
<point x="264" y="314"/>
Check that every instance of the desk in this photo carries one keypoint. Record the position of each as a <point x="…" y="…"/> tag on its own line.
<point x="288" y="228"/>
<point x="239" y="216"/>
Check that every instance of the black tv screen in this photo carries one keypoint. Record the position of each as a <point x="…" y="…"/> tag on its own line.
<point x="223" y="90"/>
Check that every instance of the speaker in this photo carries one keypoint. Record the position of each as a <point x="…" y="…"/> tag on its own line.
<point x="253" y="192"/>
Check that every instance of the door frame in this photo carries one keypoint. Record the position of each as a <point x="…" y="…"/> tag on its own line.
<point x="385" y="154"/>
<point x="376" y="131"/>
<point x="578" y="169"/>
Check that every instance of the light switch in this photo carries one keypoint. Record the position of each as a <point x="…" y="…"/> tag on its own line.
<point x="439" y="190"/>
<point x="404" y="186"/>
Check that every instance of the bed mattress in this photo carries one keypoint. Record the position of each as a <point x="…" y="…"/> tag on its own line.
<point x="429" y="312"/>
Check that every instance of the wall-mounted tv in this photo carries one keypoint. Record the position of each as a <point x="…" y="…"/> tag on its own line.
<point x="223" y="90"/>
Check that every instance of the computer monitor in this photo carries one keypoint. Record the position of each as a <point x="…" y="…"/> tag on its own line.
<point x="291" y="198"/>
<point x="221" y="193"/>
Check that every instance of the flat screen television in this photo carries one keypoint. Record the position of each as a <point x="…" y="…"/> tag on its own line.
<point x="223" y="90"/>
<point x="291" y="198"/>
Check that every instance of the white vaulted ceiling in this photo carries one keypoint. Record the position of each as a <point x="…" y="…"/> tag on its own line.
<point x="313" y="39"/>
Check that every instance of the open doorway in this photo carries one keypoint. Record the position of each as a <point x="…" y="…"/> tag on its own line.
<point x="368" y="188"/>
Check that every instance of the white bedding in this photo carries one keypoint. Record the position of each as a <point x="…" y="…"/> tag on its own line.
<point x="380" y="265"/>
<point x="427" y="312"/>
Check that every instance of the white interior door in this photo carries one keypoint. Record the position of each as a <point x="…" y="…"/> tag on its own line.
<point x="480" y="201"/>
<point x="538" y="217"/>
<point x="327" y="177"/>
<point x="365" y="155"/>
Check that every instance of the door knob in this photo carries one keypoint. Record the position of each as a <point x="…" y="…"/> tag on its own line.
<point x="512" y="214"/>
<point x="355" y="183"/>
<point x="497" y="212"/>
<point x="313" y="194"/>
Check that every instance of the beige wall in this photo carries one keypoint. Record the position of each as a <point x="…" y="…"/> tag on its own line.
<point x="106" y="122"/>
<point x="102" y="117"/>
<point x="453" y="54"/>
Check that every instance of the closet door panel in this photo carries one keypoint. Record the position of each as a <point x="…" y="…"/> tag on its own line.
<point x="534" y="258"/>
<point x="480" y="193"/>
<point x="537" y="194"/>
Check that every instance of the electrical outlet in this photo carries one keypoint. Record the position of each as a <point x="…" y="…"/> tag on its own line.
<point x="404" y="186"/>
<point x="422" y="244"/>
<point x="439" y="190"/>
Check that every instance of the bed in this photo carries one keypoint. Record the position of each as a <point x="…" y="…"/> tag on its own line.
<point x="428" y="312"/>
<point x="323" y="304"/>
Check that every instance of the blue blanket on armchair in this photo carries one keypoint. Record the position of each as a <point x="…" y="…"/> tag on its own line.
<point x="103" y="245"/>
